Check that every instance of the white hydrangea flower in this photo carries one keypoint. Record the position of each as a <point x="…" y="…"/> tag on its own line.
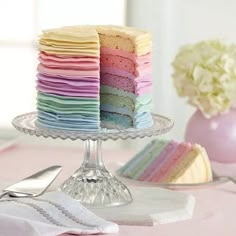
<point x="205" y="73"/>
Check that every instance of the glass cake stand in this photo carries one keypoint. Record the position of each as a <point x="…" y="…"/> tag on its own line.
<point x="92" y="184"/>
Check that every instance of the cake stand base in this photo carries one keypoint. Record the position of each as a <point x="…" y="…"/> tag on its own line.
<point x="92" y="184"/>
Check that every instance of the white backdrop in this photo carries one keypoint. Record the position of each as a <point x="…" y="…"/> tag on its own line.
<point x="174" y="23"/>
<point x="21" y="22"/>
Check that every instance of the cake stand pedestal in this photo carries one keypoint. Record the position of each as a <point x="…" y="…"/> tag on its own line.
<point x="92" y="184"/>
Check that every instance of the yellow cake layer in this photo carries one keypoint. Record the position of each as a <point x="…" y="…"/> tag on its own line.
<point x="86" y="40"/>
<point x="195" y="168"/>
<point x="125" y="38"/>
<point x="71" y="34"/>
<point x="116" y="42"/>
<point x="65" y="41"/>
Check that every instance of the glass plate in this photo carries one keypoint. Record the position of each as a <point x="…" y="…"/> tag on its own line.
<point x="217" y="180"/>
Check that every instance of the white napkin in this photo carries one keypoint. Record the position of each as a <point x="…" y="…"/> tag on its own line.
<point x="52" y="214"/>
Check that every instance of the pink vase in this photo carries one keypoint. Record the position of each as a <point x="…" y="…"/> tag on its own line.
<point x="217" y="135"/>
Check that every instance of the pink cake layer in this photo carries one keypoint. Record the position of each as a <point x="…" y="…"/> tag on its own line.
<point x="137" y="87"/>
<point x="125" y="64"/>
<point x="66" y="58"/>
<point x="128" y="63"/>
<point x="80" y="63"/>
<point x="69" y="65"/>
<point x="139" y="60"/>
<point x="70" y="73"/>
<point x="165" y="154"/>
<point x="172" y="162"/>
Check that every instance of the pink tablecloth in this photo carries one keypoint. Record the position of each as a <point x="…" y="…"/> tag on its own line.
<point x="215" y="208"/>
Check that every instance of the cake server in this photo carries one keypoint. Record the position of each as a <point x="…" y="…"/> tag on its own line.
<point x="33" y="185"/>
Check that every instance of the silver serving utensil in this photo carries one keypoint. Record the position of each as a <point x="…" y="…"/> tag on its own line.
<point x="33" y="185"/>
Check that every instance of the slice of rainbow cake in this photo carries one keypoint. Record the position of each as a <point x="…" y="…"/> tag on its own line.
<point x="167" y="161"/>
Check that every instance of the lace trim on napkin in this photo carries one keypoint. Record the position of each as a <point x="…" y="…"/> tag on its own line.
<point x="40" y="210"/>
<point x="48" y="217"/>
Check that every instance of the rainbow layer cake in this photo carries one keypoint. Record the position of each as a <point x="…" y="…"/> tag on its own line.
<point x="165" y="161"/>
<point x="90" y="76"/>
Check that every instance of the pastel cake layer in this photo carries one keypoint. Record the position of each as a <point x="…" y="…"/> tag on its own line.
<point x="69" y="80"/>
<point x="167" y="161"/>
<point x="89" y="74"/>
<point x="125" y="77"/>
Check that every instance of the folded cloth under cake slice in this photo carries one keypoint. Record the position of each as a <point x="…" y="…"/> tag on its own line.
<point x="168" y="161"/>
<point x="52" y="214"/>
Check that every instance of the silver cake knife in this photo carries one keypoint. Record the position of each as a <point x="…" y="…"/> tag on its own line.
<point x="33" y="185"/>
